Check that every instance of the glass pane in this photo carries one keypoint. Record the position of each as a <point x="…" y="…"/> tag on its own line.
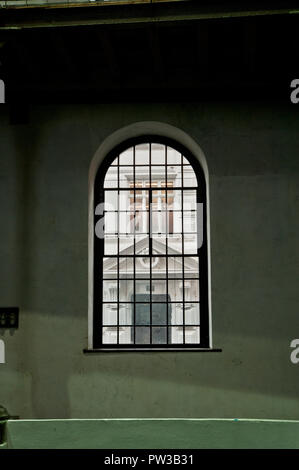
<point x="159" y="243"/>
<point x="159" y="289"/>
<point x="175" y="266"/>
<point x="142" y="154"/>
<point x="142" y="287"/>
<point x="159" y="335"/>
<point x="110" y="268"/>
<point x="111" y="244"/>
<point x="126" y="158"/>
<point x="159" y="222"/>
<point x="191" y="267"/>
<point x="189" y="176"/>
<point x="111" y="178"/>
<point x="175" y="314"/>
<point x="156" y="200"/>
<point x="126" y="222"/>
<point x="190" y="200"/>
<point x="174" y="174"/>
<point x="141" y="176"/>
<point x="115" y="161"/>
<point x="126" y="201"/>
<point x="190" y="221"/>
<point x="162" y="200"/>
<point x="142" y="244"/>
<point x="109" y="314"/>
<point x="177" y="222"/>
<point x="142" y="314"/>
<point x="142" y="267"/>
<point x="125" y="176"/>
<point x="142" y="335"/>
<point x="159" y="314"/>
<point x="192" y="334"/>
<point x="159" y="267"/>
<point x="170" y="221"/>
<point x="109" y="335"/>
<point x="191" y="314"/>
<point x="126" y="268"/>
<point x="126" y="244"/>
<point x="173" y="156"/>
<point x="111" y="222"/>
<point x="190" y="244"/>
<point x="126" y="314"/>
<point x="175" y="290"/>
<point x="174" y="199"/>
<point x="174" y="244"/>
<point x="125" y="290"/>
<point x="158" y="154"/>
<point x="176" y="335"/>
<point x="110" y="290"/>
<point x="111" y="201"/>
<point x="155" y="221"/>
<point x="141" y="200"/>
<point x="125" y="335"/>
<point x="158" y="175"/>
<point x="191" y="290"/>
<point x="141" y="222"/>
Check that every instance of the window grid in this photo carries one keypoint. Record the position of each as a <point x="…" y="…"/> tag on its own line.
<point x="150" y="299"/>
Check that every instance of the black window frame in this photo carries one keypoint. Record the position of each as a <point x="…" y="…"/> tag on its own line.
<point x="202" y="252"/>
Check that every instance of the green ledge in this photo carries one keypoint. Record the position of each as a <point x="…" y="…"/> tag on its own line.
<point x="170" y="433"/>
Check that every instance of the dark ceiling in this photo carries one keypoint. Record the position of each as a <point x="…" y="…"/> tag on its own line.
<point x="216" y="58"/>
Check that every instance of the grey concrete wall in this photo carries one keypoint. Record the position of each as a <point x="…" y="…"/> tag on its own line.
<point x="253" y="157"/>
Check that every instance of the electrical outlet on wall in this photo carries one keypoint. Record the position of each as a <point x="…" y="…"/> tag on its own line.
<point x="9" y="317"/>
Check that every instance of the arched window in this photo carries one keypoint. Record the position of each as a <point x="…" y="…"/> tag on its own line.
<point x="150" y="248"/>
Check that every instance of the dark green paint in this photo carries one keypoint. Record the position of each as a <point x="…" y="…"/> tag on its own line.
<point x="152" y="434"/>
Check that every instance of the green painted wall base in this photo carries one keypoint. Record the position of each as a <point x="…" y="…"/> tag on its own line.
<point x="152" y="433"/>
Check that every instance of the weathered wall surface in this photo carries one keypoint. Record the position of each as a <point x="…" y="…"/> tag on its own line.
<point x="252" y="153"/>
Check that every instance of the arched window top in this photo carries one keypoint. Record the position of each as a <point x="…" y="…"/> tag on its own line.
<point x="151" y="150"/>
<point x="150" y="248"/>
<point x="153" y="163"/>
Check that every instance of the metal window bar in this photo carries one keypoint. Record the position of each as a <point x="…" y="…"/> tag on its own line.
<point x="168" y="337"/>
<point x="118" y="284"/>
<point x="183" y="246"/>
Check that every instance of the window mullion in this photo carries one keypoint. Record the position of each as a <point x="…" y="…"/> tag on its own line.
<point x="134" y="241"/>
<point x="183" y="248"/>
<point x="150" y="235"/>
<point x="118" y="244"/>
<point x="166" y="248"/>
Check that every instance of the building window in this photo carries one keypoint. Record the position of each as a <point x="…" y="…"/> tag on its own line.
<point x="150" y="248"/>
